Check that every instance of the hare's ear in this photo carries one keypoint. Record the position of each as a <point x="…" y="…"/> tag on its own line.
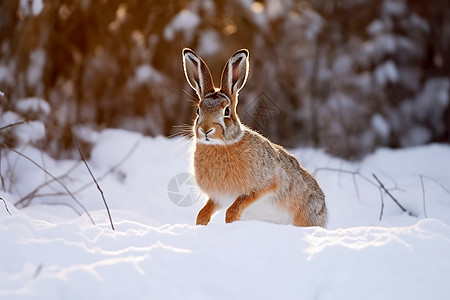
<point x="235" y="73"/>
<point x="197" y="73"/>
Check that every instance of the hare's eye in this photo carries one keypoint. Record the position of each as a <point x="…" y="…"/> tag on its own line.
<point x="227" y="111"/>
<point x="198" y="111"/>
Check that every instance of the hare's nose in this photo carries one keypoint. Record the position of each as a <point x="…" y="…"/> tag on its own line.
<point x="210" y="131"/>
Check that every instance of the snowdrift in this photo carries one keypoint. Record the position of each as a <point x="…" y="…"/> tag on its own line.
<point x="371" y="249"/>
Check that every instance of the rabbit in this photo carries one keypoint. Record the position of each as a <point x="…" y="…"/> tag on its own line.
<point x="238" y="168"/>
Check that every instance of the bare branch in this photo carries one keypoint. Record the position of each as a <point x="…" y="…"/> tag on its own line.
<point x="13" y="124"/>
<point x="62" y="204"/>
<point x="112" y="169"/>
<point x="390" y="195"/>
<point x="378" y="184"/>
<point x="37" y="271"/>
<point x="355" y="184"/>
<point x="53" y="177"/>
<point x="382" y="204"/>
<point x="25" y="200"/>
<point x="355" y="173"/>
<point x="423" y="196"/>
<point x="6" y="206"/>
<point x="2" y="179"/>
<point x="436" y="182"/>
<point x="44" y="195"/>
<point x="93" y="178"/>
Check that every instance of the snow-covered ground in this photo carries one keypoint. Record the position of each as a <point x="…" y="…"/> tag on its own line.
<point x="48" y="251"/>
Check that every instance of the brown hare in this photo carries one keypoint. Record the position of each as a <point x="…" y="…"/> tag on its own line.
<point x="238" y="168"/>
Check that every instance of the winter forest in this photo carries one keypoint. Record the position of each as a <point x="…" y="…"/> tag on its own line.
<point x="347" y="76"/>
<point x="97" y="194"/>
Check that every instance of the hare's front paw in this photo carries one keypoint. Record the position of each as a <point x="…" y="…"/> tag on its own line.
<point x="202" y="218"/>
<point x="233" y="214"/>
<point x="204" y="215"/>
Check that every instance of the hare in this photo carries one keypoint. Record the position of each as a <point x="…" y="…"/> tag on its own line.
<point x="238" y="168"/>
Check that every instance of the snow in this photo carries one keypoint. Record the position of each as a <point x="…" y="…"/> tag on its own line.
<point x="8" y="118"/>
<point x="36" y="66"/>
<point x="276" y="9"/>
<point x="255" y="11"/>
<point x="419" y="22"/>
<point x="186" y="22"/>
<point x="33" y="104"/>
<point x="386" y="72"/>
<point x="209" y="43"/>
<point x="384" y="44"/>
<point x="375" y="27"/>
<point x="30" y="132"/>
<point x="31" y="7"/>
<point x="156" y="251"/>
<point x="146" y="73"/>
<point x="394" y="7"/>
<point x="315" y="24"/>
<point x="343" y="64"/>
<point x="5" y="75"/>
<point x="381" y="126"/>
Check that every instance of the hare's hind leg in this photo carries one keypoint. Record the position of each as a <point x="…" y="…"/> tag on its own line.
<point x="300" y="219"/>
<point x="204" y="215"/>
<point x="313" y="215"/>
<point x="234" y="212"/>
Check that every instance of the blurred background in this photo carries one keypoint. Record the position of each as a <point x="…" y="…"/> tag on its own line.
<point x="347" y="76"/>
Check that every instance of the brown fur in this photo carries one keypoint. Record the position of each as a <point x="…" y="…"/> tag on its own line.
<point x="204" y="215"/>
<point x="241" y="168"/>
<point x="229" y="165"/>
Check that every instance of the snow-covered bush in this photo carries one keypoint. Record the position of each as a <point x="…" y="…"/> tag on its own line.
<point x="24" y="123"/>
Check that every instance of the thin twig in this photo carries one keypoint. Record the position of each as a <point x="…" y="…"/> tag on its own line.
<point x="93" y="178"/>
<point x="53" y="177"/>
<point x="45" y="195"/>
<point x="13" y="124"/>
<point x="355" y="184"/>
<point x="6" y="206"/>
<point x="395" y="188"/>
<point x="423" y="196"/>
<point x="62" y="204"/>
<point x="382" y="204"/>
<point x="380" y="186"/>
<point x="356" y="173"/>
<point x="10" y="174"/>
<point x="436" y="182"/>
<point x="2" y="179"/>
<point x="43" y="162"/>
<point x="390" y="195"/>
<point x="32" y="194"/>
<point x="37" y="271"/>
<point x="112" y="169"/>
